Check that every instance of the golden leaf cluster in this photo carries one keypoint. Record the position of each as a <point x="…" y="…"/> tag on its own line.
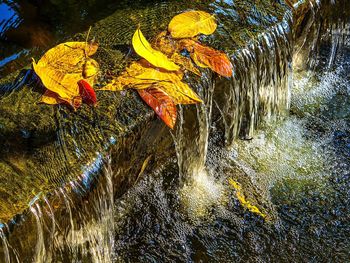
<point x="62" y="67"/>
<point x="68" y="73"/>
<point x="161" y="67"/>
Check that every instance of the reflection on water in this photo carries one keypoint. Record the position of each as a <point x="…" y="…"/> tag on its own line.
<point x="9" y="18"/>
<point x="38" y="25"/>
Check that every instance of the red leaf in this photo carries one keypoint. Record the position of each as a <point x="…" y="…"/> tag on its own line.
<point x="87" y="93"/>
<point x="161" y="103"/>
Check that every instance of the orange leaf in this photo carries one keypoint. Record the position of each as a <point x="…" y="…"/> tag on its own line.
<point x="161" y="103"/>
<point x="205" y="56"/>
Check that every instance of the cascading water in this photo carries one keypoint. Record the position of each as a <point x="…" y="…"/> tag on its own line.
<point x="5" y="247"/>
<point x="200" y="190"/>
<point x="261" y="86"/>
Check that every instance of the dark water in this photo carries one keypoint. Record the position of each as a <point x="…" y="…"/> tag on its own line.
<point x="296" y="169"/>
<point x="27" y="28"/>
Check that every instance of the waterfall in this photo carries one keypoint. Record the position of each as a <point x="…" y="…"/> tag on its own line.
<point x="260" y="88"/>
<point x="5" y="246"/>
<point x="192" y="132"/>
<point x="40" y="251"/>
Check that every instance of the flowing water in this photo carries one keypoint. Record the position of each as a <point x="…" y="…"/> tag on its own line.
<point x="279" y="127"/>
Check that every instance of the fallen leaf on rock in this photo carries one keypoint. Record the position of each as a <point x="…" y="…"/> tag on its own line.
<point x="172" y="49"/>
<point x="244" y="202"/>
<point x="144" y="49"/>
<point x="145" y="77"/>
<point x="61" y="68"/>
<point x="205" y="56"/>
<point x="161" y="103"/>
<point x="52" y="98"/>
<point x="90" y="68"/>
<point x="180" y="92"/>
<point x="165" y="43"/>
<point x="192" y="23"/>
<point x="185" y="63"/>
<point x="136" y="76"/>
<point x="155" y="74"/>
<point x="87" y="93"/>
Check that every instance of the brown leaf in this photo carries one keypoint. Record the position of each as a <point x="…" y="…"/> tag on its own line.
<point x="205" y="56"/>
<point x="185" y="63"/>
<point x="161" y="103"/>
<point x="165" y="44"/>
<point x="171" y="48"/>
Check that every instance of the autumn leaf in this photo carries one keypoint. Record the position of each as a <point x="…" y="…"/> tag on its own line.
<point x="192" y="23"/>
<point x="52" y="98"/>
<point x="63" y="66"/>
<point x="144" y="49"/>
<point x="185" y="63"/>
<point x="169" y="82"/>
<point x="161" y="103"/>
<point x="205" y="56"/>
<point x="244" y="202"/>
<point x="87" y="93"/>
<point x="90" y="68"/>
<point x="169" y="46"/>
<point x="180" y="92"/>
<point x="165" y="43"/>
<point x="140" y="73"/>
<point x="137" y="75"/>
<point x="154" y="74"/>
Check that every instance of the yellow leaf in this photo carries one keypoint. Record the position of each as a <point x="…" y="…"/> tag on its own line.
<point x="192" y="23"/>
<point x="139" y="76"/>
<point x="185" y="63"/>
<point x="49" y="98"/>
<point x="180" y="92"/>
<point x="241" y="198"/>
<point x="154" y="74"/>
<point x="63" y="66"/>
<point x="90" y="68"/>
<point x="144" y="49"/>
<point x="169" y="82"/>
<point x="52" y="98"/>
<point x="122" y="82"/>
